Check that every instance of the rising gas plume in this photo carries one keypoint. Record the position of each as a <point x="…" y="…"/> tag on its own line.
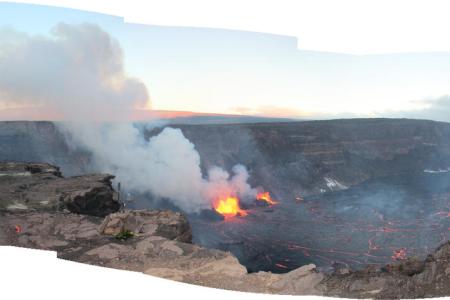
<point x="78" y="72"/>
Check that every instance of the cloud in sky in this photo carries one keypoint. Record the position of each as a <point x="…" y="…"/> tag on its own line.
<point x="433" y="109"/>
<point x="77" y="72"/>
<point x="272" y="111"/>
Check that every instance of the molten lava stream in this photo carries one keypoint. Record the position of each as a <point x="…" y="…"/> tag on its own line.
<point x="229" y="207"/>
<point x="265" y="196"/>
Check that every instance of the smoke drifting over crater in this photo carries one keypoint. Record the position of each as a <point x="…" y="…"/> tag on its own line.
<point x="167" y="165"/>
<point x="79" y="73"/>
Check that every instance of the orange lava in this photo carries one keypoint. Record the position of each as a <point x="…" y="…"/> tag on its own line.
<point x="265" y="196"/>
<point x="399" y="254"/>
<point x="281" y="266"/>
<point x="229" y="207"/>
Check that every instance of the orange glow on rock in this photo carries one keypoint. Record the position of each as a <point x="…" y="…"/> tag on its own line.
<point x="399" y="254"/>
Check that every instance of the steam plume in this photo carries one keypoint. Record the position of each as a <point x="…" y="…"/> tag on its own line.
<point x="79" y="72"/>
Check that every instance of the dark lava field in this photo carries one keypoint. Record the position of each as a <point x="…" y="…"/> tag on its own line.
<point x="373" y="223"/>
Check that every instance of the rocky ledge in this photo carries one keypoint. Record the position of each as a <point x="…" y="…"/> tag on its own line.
<point x="159" y="242"/>
<point x="153" y="242"/>
<point x="36" y="186"/>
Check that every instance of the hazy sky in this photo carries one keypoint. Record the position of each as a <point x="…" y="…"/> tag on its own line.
<point x="222" y="71"/>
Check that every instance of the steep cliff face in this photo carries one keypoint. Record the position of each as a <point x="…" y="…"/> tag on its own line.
<point x="319" y="156"/>
<point x="287" y="158"/>
<point x="40" y="142"/>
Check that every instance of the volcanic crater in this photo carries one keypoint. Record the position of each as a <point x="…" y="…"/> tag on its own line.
<point x="346" y="193"/>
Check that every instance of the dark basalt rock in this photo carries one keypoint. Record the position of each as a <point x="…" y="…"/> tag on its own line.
<point x="409" y="278"/>
<point x="409" y="267"/>
<point x="41" y="187"/>
<point x="36" y="168"/>
<point x="211" y="215"/>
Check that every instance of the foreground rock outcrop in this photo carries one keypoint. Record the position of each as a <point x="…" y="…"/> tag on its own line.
<point x="33" y="186"/>
<point x="41" y="209"/>
<point x="168" y="224"/>
<point x="165" y="253"/>
<point x="159" y="250"/>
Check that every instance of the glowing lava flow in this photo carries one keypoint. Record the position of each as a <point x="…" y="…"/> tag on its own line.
<point x="229" y="207"/>
<point x="265" y="196"/>
<point x="399" y="254"/>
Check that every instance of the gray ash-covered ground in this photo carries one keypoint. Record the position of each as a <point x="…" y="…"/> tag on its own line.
<point x="374" y="223"/>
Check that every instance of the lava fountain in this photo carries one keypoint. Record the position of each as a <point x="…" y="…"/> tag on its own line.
<point x="229" y="207"/>
<point x="265" y="196"/>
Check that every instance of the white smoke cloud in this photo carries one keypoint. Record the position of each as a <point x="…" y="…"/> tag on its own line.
<point x="79" y="72"/>
<point x="167" y="165"/>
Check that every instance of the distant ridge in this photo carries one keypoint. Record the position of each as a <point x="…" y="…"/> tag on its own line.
<point x="225" y="120"/>
<point x="172" y="117"/>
